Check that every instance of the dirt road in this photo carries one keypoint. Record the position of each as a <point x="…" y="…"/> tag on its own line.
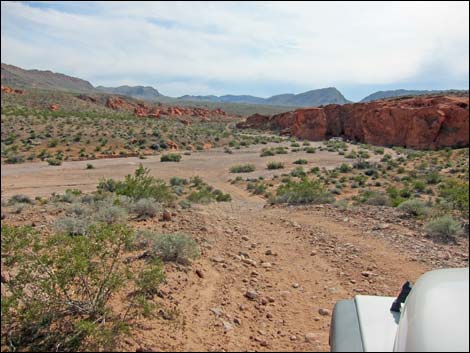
<point x="296" y="262"/>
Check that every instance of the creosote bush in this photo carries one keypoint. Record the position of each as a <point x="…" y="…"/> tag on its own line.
<point x="170" y="157"/>
<point x="444" y="228"/>
<point x="414" y="208"/>
<point x="60" y="290"/>
<point x="242" y="168"/>
<point x="304" y="191"/>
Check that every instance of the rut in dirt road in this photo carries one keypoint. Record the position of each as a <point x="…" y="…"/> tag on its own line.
<point x="293" y="266"/>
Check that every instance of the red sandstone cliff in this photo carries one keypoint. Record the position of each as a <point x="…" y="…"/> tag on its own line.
<point x="419" y="122"/>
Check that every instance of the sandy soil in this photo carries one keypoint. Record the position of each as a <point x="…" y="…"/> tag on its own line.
<point x="298" y="260"/>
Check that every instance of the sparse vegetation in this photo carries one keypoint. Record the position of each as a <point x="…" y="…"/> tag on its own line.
<point x="242" y="168"/>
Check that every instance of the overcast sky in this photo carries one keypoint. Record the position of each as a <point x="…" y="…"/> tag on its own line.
<point x="244" y="48"/>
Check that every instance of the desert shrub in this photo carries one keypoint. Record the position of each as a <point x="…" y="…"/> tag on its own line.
<point x="414" y="207"/>
<point x="54" y="161"/>
<point x="305" y="191"/>
<point x="107" y="185"/>
<point x="456" y="193"/>
<point x="90" y="166"/>
<point x="196" y="181"/>
<point x="221" y="197"/>
<point x="204" y="196"/>
<point x="394" y="196"/>
<point x="14" y="159"/>
<point x="257" y="188"/>
<point x="301" y="161"/>
<point x="275" y="165"/>
<point x="310" y="149"/>
<point x="77" y="209"/>
<point x="111" y="215"/>
<point x="150" y="277"/>
<point x="433" y="177"/>
<point x="298" y="172"/>
<point x="443" y="228"/>
<point x="267" y="153"/>
<point x="170" y="157"/>
<point x="60" y="293"/>
<point x="341" y="205"/>
<point x="176" y="247"/>
<point x="178" y="181"/>
<point x="20" y="199"/>
<point x="419" y="186"/>
<point x="141" y="185"/>
<point x="72" y="226"/>
<point x="345" y="168"/>
<point x="145" y="208"/>
<point x="374" y="198"/>
<point x="242" y="168"/>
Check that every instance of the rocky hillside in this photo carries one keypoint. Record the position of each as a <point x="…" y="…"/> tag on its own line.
<point x="311" y="98"/>
<point x="139" y="92"/>
<point x="406" y="92"/>
<point x="418" y="122"/>
<point x="19" y="78"/>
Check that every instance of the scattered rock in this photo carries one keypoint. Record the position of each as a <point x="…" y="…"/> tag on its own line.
<point x="295" y="285"/>
<point x="227" y="326"/>
<point x="310" y="337"/>
<point x="216" y="311"/>
<point x="324" y="312"/>
<point x="251" y="294"/>
<point x="166" y="216"/>
<point x="199" y="273"/>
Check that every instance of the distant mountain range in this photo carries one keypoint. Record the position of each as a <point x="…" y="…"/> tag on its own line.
<point x="139" y="92"/>
<point x="16" y="77"/>
<point x="311" y="98"/>
<point x="403" y="92"/>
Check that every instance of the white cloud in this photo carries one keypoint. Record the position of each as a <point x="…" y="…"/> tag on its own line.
<point x="311" y="44"/>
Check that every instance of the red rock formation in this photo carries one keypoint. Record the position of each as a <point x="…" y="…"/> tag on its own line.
<point x="53" y="107"/>
<point x="419" y="122"/>
<point x="172" y="145"/>
<point x="7" y="89"/>
<point x="142" y="110"/>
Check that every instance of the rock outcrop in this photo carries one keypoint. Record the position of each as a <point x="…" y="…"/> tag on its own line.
<point x="53" y="107"/>
<point x="7" y="89"/>
<point x="143" y="110"/>
<point x="420" y="122"/>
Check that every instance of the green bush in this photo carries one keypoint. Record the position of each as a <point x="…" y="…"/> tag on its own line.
<point x="204" y="196"/>
<point x="414" y="207"/>
<point x="305" y="191"/>
<point x="456" y="193"/>
<point x="345" y="168"/>
<point x="20" y="199"/>
<point x="111" y="215"/>
<point x="301" y="161"/>
<point x="144" y="186"/>
<point x="444" y="228"/>
<point x="275" y="165"/>
<point x="257" y="188"/>
<point x="242" y="168"/>
<point x="174" y="181"/>
<point x="54" y="161"/>
<point x="298" y="172"/>
<point x="72" y="226"/>
<point x="60" y="292"/>
<point x="171" y="157"/>
<point x="374" y="198"/>
<point x="177" y="247"/>
<point x="145" y="208"/>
